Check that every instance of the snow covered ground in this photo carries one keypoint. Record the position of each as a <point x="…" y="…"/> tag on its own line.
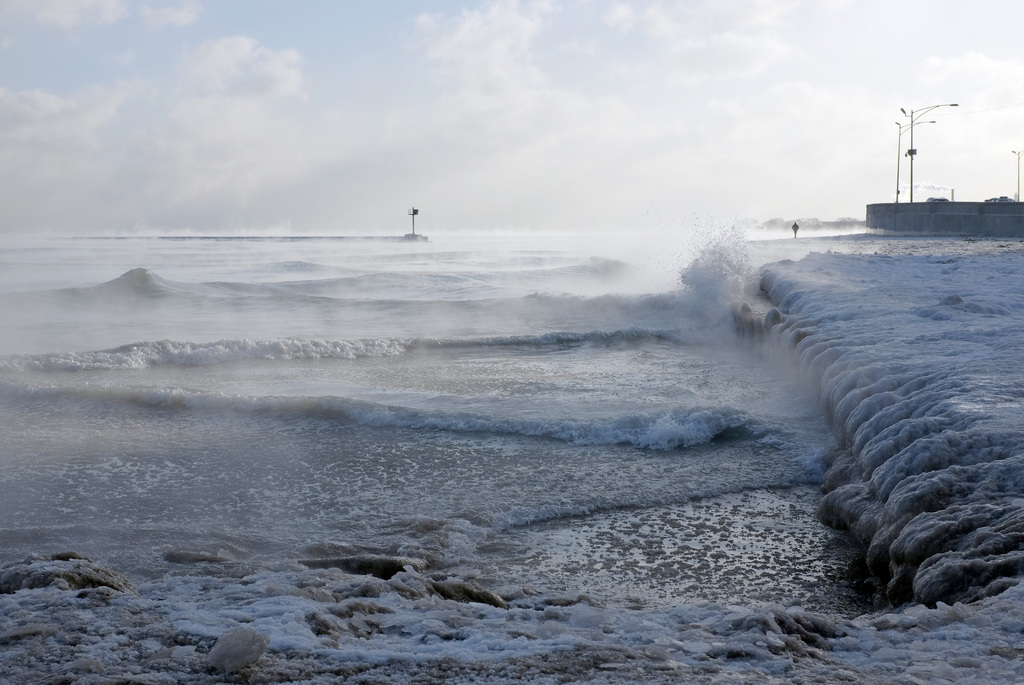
<point x="913" y="346"/>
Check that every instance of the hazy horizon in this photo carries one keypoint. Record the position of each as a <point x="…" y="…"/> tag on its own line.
<point x="540" y="114"/>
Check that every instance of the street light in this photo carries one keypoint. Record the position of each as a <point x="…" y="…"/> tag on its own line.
<point x="1017" y="196"/>
<point x="914" y="114"/>
<point x="899" y="151"/>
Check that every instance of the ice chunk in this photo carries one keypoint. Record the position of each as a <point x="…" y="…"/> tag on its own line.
<point x="238" y="648"/>
<point x="66" y="571"/>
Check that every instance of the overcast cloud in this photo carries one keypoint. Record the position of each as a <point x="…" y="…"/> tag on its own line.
<point x="316" y="116"/>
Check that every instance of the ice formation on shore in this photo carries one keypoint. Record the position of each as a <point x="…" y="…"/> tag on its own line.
<point x="919" y="367"/>
<point x="327" y="625"/>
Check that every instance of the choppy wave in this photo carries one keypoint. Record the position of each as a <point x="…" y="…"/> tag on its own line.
<point x="333" y="282"/>
<point x="663" y="431"/>
<point x="149" y="354"/>
<point x="441" y="306"/>
<point x="168" y="352"/>
<point x="136" y="283"/>
<point x="666" y="430"/>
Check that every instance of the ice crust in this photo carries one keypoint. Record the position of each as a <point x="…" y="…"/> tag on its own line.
<point x="295" y="624"/>
<point x="918" y="365"/>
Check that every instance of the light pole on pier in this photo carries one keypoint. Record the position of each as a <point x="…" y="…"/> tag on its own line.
<point x="912" y="152"/>
<point x="899" y="153"/>
<point x="1021" y="152"/>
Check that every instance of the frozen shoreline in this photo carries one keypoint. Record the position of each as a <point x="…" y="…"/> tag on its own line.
<point x="917" y="367"/>
<point x="840" y="319"/>
<point x="326" y="625"/>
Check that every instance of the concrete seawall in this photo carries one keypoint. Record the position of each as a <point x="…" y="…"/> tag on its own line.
<point x="947" y="218"/>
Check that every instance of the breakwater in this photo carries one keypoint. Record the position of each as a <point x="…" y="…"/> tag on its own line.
<point x="947" y="218"/>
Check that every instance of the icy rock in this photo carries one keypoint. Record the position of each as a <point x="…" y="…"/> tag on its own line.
<point x="584" y="616"/>
<point x="63" y="571"/>
<point x="695" y="647"/>
<point x="745" y="322"/>
<point x="179" y="652"/>
<point x="967" y="576"/>
<point x="465" y="591"/>
<point x="27" y="630"/>
<point x="773" y="318"/>
<point x="180" y="556"/>
<point x="383" y="567"/>
<point x="238" y="648"/>
<point x="86" y="665"/>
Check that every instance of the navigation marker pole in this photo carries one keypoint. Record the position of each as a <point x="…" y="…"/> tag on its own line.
<point x="413" y="212"/>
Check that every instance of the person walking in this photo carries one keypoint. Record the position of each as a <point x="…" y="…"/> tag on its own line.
<point x="796" y="227"/>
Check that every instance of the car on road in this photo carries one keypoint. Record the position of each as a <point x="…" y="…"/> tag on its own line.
<point x="1001" y="198"/>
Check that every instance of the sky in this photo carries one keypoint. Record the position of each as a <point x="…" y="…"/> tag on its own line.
<point x="337" y="116"/>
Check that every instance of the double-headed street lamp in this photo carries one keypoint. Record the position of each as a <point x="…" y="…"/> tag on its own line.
<point x="912" y="152"/>
<point x="1017" y="196"/>
<point x="899" y="153"/>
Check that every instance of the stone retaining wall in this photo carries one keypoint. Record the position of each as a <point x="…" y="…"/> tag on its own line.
<point x="947" y="218"/>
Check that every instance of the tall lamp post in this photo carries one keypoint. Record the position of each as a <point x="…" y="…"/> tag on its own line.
<point x="1021" y="152"/>
<point x="899" y="153"/>
<point x="912" y="152"/>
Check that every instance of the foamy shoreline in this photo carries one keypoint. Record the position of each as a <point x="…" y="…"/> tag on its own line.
<point x="855" y="325"/>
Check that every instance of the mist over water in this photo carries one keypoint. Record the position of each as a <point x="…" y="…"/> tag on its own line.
<point x="512" y="458"/>
<point x="522" y="408"/>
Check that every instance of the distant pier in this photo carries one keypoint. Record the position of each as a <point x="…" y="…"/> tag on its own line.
<point x="947" y="218"/>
